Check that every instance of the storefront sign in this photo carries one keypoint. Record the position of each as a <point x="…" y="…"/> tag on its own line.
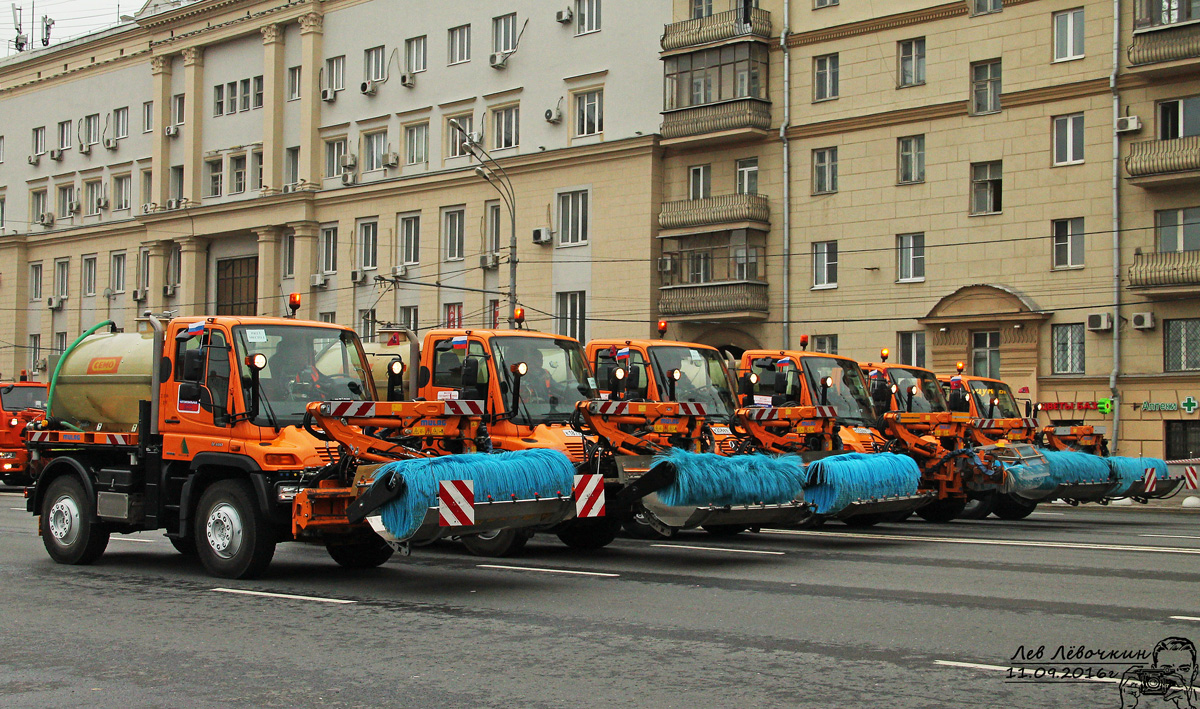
<point x="1159" y="406"/>
<point x="1189" y="404"/>
<point x="1072" y="405"/>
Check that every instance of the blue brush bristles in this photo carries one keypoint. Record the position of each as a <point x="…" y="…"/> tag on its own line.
<point x="542" y="472"/>
<point x="837" y="481"/>
<point x="1030" y="477"/>
<point x="1077" y="468"/>
<point x="1131" y="471"/>
<point x="708" y="478"/>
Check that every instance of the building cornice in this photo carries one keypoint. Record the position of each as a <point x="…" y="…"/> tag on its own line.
<point x="960" y="8"/>
<point x="1057" y="92"/>
<point x="879" y="120"/>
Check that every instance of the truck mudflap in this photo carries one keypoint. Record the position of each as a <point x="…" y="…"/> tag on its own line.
<point x="487" y="517"/>
<point x="886" y="505"/>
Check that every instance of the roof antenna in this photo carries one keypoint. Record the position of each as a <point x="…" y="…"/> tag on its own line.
<point x="21" y="40"/>
<point x="47" y="23"/>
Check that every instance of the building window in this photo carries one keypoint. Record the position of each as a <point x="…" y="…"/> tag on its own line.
<point x="237" y="174"/>
<point x="334" y="150"/>
<point x="1182" y="345"/>
<point x="35" y="281"/>
<point x="329" y="250"/>
<point x="1" y="212"/>
<point x="587" y="16"/>
<point x="175" y="265"/>
<point x="1068" y="242"/>
<point x="244" y="104"/>
<point x="504" y="33"/>
<point x="1178" y="229"/>
<point x="327" y="317"/>
<point x="88" y="267"/>
<point x="256" y="170"/>
<point x="827" y="344"/>
<point x="415" y="58"/>
<point x="985" y="87"/>
<point x="216" y="177"/>
<point x="453" y="315"/>
<point x="368" y="245"/>
<point x="289" y="255"/>
<point x="116" y="272"/>
<point x="375" y="64"/>
<point x="492" y="237"/>
<point x="818" y="4"/>
<point x="454" y="224"/>
<point x="147" y="186"/>
<point x="178" y="114"/>
<point x="589" y="113"/>
<point x="572" y="314"/>
<point x="37" y="200"/>
<point x="507" y="124"/>
<point x="64" y="135"/>
<point x="366" y="321"/>
<point x="374" y="145"/>
<point x="1068" y="139"/>
<point x="1183" y="440"/>
<point x="91" y="129"/>
<point x="699" y="182"/>
<point x="35" y="353"/>
<point x="701" y="8"/>
<point x="258" y="91"/>
<point x="983" y="7"/>
<point x="144" y="269"/>
<point x="912" y="159"/>
<point x="230" y="92"/>
<point x="93" y="193"/>
<point x="746" y="176"/>
<point x="573" y="218"/>
<point x="1" y="148"/>
<point x="120" y="124"/>
<point x="825" y="260"/>
<point x="912" y="62"/>
<point x="457" y="139"/>
<point x="985" y="354"/>
<point x="825" y="77"/>
<point x="147" y="116"/>
<point x="62" y="275"/>
<point x="66" y="200"/>
<point x="335" y="73"/>
<point x="493" y="313"/>
<point x="176" y="182"/>
<point x="460" y="44"/>
<point x="39" y="140"/>
<point x="825" y="170"/>
<point x="1179" y="118"/>
<point x="1153" y="13"/>
<point x="910" y="251"/>
<point x="745" y="262"/>
<point x="410" y="240"/>
<point x="416" y="144"/>
<point x="293" y="83"/>
<point x="733" y="72"/>
<point x="1068" y="355"/>
<point x="409" y="317"/>
<point x="986" y="187"/>
<point x="912" y="348"/>
<point x="1068" y="34"/>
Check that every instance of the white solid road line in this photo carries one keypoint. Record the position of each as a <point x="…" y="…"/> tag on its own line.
<point x="546" y="571"/>
<point x="986" y="542"/>
<point x="736" y="551"/>
<point x="973" y="666"/>
<point x="1185" y="617"/>
<point x="1170" y="536"/>
<point x="17" y="509"/>
<point x="132" y="539"/>
<point x="288" y="596"/>
<point x="1050" y="514"/>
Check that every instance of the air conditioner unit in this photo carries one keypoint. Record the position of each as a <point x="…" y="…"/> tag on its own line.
<point x="391" y="159"/>
<point x="328" y="95"/>
<point x="368" y="87"/>
<point x="149" y="207"/>
<point x="542" y="235"/>
<point x="101" y="203"/>
<point x="347" y="178"/>
<point x="489" y="261"/>
<point x="174" y="203"/>
<point x="358" y="275"/>
<point x="289" y="188"/>
<point x="85" y="149"/>
<point x="171" y="131"/>
<point x="564" y="16"/>
<point x="408" y="80"/>
<point x="554" y="115"/>
<point x="73" y="206"/>
<point x="33" y="159"/>
<point x="498" y="60"/>
<point x="1143" y="321"/>
<point x="56" y="154"/>
<point x="110" y="143"/>
<point x="55" y="302"/>
<point x="400" y="271"/>
<point x="46" y="219"/>
<point x="317" y="280"/>
<point x="1129" y="124"/>
<point x="139" y="294"/>
<point x="41" y="365"/>
<point x="666" y="264"/>
<point x="348" y="161"/>
<point x="1099" y="322"/>
<point x="169" y="291"/>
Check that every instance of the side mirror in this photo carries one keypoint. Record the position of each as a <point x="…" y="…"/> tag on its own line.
<point x="781" y="383"/>
<point x="193" y="365"/>
<point x="746" y="384"/>
<point x="1028" y="409"/>
<point x="470" y="373"/>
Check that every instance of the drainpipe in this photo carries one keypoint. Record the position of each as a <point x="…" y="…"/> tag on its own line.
<point x="787" y="178"/>
<point x="1116" y="229"/>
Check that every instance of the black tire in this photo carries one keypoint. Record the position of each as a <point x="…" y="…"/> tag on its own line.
<point x="979" y="508"/>
<point x="361" y="551"/>
<point x="636" y="527"/>
<point x="595" y="533"/>
<point x="863" y="521"/>
<point x="500" y="543"/>
<point x="185" y="546"/>
<point x="725" y="530"/>
<point x="1013" y="508"/>
<point x="942" y="511"/>
<point x="233" y="537"/>
<point x="69" y="530"/>
<point x="895" y="517"/>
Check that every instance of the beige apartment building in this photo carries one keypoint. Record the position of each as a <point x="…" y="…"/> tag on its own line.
<point x="937" y="178"/>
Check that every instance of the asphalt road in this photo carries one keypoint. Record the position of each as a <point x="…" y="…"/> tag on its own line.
<point x="903" y="615"/>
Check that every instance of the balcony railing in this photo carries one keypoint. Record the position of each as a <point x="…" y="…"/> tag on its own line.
<point x="714" y="28"/>
<point x="723" y="209"/>
<point x="1165" y="45"/>
<point x="706" y="299"/>
<point x="1174" y="268"/>
<point x="1159" y="157"/>
<point x="732" y="115"/>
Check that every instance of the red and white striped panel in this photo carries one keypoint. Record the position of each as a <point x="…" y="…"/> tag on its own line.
<point x="1030" y="423"/>
<point x="589" y="496"/>
<point x="456" y="503"/>
<point x="357" y="409"/>
<point x="689" y="409"/>
<point x="762" y="414"/>
<point x="609" y="408"/>
<point x="1150" y="481"/>
<point x="1191" y="478"/>
<point x="113" y="439"/>
<point x="826" y="412"/>
<point x="464" y="408"/>
<point x="983" y="423"/>
<point x="39" y="436"/>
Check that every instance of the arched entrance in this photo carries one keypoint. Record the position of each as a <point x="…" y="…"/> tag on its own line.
<point x="730" y="341"/>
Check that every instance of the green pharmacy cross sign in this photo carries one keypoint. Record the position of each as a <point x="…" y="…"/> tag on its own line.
<point x="1189" y="404"/>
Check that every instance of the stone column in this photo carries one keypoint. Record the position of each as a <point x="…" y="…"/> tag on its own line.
<point x="312" y="57"/>
<point x="269" y="301"/>
<point x="160" y="166"/>
<point x="14" y="299"/>
<point x="306" y="237"/>
<point x="157" y="277"/>
<point x="273" y="88"/>
<point x="193" y="87"/>
<point x="193" y="276"/>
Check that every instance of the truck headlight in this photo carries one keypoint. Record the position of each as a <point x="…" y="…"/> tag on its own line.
<point x="287" y="493"/>
<point x="7" y="455"/>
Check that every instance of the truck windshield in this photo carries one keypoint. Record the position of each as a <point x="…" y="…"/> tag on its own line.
<point x="19" y="398"/>
<point x="703" y="378"/>
<point x="557" y="379"/>
<point x="985" y="391"/>
<point x="303" y="364"/>
<point x="847" y="395"/>
<point x="928" y="395"/>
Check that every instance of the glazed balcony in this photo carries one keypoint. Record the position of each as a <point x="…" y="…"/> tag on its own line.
<point x="723" y="209"/>
<point x="1170" y="273"/>
<point x="721" y="300"/>
<point x="1164" y="163"/>
<point x="716" y="28"/>
<point x="1165" y="49"/>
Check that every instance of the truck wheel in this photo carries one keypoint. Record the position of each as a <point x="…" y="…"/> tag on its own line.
<point x="979" y="508"/>
<point x="360" y="551"/>
<point x="725" y="530"/>
<point x="68" y="530"/>
<point x="184" y="545"/>
<point x="942" y="511"/>
<point x="593" y="533"/>
<point x="1013" y="508"/>
<point x="502" y="542"/>
<point x="233" y="537"/>
<point x="863" y="521"/>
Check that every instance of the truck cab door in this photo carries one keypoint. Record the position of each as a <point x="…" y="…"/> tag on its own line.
<point x="446" y="381"/>
<point x="195" y="407"/>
